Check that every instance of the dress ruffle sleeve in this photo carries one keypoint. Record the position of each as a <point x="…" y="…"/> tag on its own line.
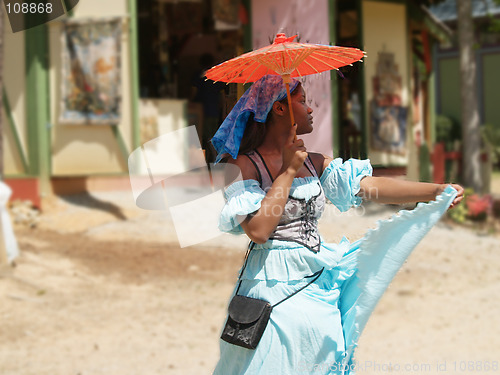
<point x="242" y="198"/>
<point x="341" y="181"/>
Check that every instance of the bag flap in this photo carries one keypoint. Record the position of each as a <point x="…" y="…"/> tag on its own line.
<point x="246" y="310"/>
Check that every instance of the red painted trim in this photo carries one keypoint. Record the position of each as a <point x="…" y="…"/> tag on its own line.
<point x="25" y="188"/>
<point x="427" y="51"/>
<point x="438" y="158"/>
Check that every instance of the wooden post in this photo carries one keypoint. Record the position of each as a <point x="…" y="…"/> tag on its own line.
<point x="424" y="163"/>
<point x="134" y="73"/>
<point x="468" y="99"/>
<point x="438" y="161"/>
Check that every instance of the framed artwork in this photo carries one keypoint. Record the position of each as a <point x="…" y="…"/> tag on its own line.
<point x="388" y="117"/>
<point x="91" y="89"/>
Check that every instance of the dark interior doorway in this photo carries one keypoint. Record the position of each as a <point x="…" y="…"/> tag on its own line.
<point x="178" y="41"/>
<point x="351" y="132"/>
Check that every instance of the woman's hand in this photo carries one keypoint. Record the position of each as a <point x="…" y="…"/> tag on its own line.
<point x="460" y="193"/>
<point x="262" y="223"/>
<point x="294" y="153"/>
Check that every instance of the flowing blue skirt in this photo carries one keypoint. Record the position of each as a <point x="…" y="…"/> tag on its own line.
<point x="317" y="330"/>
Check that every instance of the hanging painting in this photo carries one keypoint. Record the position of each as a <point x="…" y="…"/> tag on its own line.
<point x="388" y="117"/>
<point x="91" y="89"/>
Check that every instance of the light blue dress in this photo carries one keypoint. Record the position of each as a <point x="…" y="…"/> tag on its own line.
<point x="316" y="331"/>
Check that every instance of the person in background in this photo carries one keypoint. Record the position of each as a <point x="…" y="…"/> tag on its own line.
<point x="209" y="95"/>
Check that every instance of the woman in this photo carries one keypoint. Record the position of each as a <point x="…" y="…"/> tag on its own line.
<point x="277" y="204"/>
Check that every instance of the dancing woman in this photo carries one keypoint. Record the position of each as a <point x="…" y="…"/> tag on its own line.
<point x="277" y="204"/>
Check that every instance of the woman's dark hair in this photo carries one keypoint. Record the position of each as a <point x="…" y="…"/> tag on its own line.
<point x="255" y="132"/>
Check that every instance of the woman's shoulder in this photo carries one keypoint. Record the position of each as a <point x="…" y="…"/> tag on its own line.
<point x="242" y="164"/>
<point x="320" y="161"/>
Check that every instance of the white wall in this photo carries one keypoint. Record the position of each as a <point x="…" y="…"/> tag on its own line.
<point x="90" y="149"/>
<point x="309" y="19"/>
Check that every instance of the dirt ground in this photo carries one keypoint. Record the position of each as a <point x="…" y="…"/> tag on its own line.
<point x="101" y="287"/>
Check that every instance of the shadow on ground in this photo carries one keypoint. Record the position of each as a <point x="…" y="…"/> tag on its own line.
<point x="87" y="200"/>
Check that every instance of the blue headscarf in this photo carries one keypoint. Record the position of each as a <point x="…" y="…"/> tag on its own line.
<point x="259" y="100"/>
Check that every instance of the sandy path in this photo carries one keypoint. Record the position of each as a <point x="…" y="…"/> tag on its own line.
<point x="91" y="296"/>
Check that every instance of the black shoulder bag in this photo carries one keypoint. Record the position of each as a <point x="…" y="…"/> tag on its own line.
<point x="248" y="317"/>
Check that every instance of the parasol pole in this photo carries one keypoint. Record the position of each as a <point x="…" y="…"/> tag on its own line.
<point x="287" y="80"/>
<point x="289" y="102"/>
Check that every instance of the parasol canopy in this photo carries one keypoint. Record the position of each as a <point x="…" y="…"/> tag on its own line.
<point x="286" y="58"/>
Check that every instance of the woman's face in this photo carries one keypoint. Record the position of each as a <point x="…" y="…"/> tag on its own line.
<point x="302" y="112"/>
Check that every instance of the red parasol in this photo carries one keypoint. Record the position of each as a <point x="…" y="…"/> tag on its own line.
<point x="286" y="58"/>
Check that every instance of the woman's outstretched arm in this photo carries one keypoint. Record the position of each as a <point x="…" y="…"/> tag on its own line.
<point x="395" y="191"/>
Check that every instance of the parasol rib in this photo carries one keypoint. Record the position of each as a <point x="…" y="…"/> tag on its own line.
<point x="266" y="63"/>
<point x="337" y="57"/>
<point x="298" y="72"/>
<point x="312" y="67"/>
<point x="332" y="58"/>
<point x="236" y="76"/>
<point x="327" y="54"/>
<point x="251" y="74"/>
<point x="303" y="56"/>
<point x="287" y="52"/>
<point x="282" y="60"/>
<point x="323" y="62"/>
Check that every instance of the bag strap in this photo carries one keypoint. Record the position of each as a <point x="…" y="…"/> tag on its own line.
<point x="316" y="275"/>
<point x="250" y="247"/>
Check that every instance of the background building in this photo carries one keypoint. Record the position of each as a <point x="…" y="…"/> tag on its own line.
<point x="85" y="90"/>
